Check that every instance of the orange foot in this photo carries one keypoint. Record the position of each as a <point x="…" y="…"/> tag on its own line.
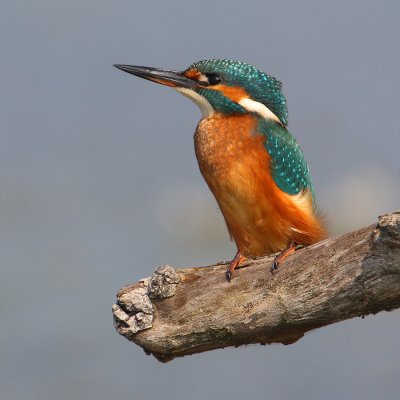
<point x="291" y="248"/>
<point x="235" y="263"/>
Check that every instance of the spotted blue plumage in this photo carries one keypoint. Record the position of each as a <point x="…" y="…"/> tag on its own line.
<point x="288" y="166"/>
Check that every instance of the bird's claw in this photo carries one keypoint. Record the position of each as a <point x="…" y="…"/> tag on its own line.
<point x="291" y="248"/>
<point x="274" y="266"/>
<point x="234" y="263"/>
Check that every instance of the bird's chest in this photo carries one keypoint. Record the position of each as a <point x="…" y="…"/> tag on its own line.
<point x="224" y="147"/>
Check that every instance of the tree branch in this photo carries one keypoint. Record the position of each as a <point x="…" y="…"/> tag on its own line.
<point x="186" y="311"/>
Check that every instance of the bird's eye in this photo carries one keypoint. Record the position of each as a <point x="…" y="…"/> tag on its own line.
<point x="213" y="79"/>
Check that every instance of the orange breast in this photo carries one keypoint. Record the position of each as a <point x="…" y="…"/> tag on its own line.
<point x="236" y="166"/>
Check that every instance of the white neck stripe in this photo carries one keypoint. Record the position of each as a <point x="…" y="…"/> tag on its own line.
<point x="259" y="108"/>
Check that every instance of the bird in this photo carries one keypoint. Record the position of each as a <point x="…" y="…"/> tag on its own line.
<point x="252" y="164"/>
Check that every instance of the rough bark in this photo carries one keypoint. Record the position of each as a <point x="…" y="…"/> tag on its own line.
<point x="178" y="312"/>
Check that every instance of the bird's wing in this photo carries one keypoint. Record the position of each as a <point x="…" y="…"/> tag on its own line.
<point x="288" y="166"/>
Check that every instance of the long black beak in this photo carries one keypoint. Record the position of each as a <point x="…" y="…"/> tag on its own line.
<point x="164" y="77"/>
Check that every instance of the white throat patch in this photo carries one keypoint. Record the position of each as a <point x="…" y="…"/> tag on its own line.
<point x="258" y="108"/>
<point x="202" y="102"/>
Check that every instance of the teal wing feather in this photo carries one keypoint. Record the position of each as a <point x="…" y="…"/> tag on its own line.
<point x="288" y="166"/>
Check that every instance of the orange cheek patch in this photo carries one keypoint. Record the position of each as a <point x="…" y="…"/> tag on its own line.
<point x="231" y="92"/>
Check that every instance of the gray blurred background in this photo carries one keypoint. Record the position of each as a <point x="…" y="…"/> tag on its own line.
<point x="99" y="185"/>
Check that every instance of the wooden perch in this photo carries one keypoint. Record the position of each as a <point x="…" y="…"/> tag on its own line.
<point x="187" y="311"/>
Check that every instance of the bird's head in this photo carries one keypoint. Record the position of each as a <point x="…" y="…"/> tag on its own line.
<point x="224" y="86"/>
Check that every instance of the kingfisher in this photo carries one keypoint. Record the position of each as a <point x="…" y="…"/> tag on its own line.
<point x="252" y="164"/>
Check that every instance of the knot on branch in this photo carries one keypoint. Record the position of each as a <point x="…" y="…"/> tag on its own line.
<point x="134" y="311"/>
<point x="164" y="282"/>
